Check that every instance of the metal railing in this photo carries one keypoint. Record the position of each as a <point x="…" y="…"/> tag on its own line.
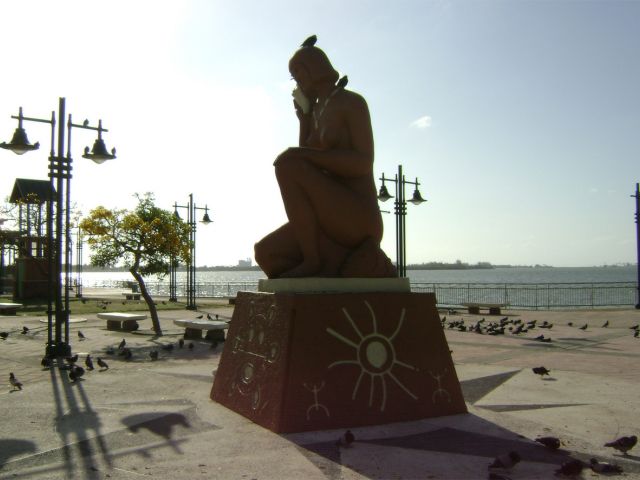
<point x="514" y="295"/>
<point x="533" y="295"/>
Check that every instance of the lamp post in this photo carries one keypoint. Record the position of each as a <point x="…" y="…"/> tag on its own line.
<point x="60" y="166"/>
<point x="191" y="267"/>
<point x="637" y="196"/>
<point x="400" y="212"/>
<point x="79" y="261"/>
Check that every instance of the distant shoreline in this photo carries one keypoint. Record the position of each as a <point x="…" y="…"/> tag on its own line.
<point x="420" y="266"/>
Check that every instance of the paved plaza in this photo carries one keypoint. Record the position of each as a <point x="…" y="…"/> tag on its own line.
<point x="145" y="418"/>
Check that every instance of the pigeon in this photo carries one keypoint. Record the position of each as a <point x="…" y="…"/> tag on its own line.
<point x="570" y="468"/>
<point x="110" y="351"/>
<point x="507" y="461"/>
<point x="89" y="363"/>
<point x="636" y="327"/>
<point x="46" y="362"/>
<point x="209" y="317"/>
<point x="81" y="335"/>
<point x="539" y="337"/>
<point x="214" y="345"/>
<point x="4" y="335"/>
<point x="128" y="355"/>
<point x="552" y="443"/>
<point x="191" y="345"/>
<point x="200" y="316"/>
<point x="181" y="343"/>
<point x="584" y="327"/>
<point x="542" y="371"/>
<point x="346" y="440"/>
<point x="635" y="335"/>
<point x="310" y="42"/>
<point x="570" y="324"/>
<point x="14" y="382"/>
<point x="153" y="354"/>
<point x="102" y="364"/>
<point x="168" y="347"/>
<point x="75" y="373"/>
<point x="343" y="82"/>
<point x="623" y="444"/>
<point x="604" y="325"/>
<point x="25" y="330"/>
<point x="72" y="360"/>
<point x="122" y="344"/>
<point x="604" y="467"/>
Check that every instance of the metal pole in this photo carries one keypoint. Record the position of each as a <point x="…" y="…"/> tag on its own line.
<point x="2" y="267"/>
<point x="172" y="279"/>
<point x="62" y="348"/>
<point x="403" y="214"/>
<point x="79" y="262"/>
<point x="396" y="204"/>
<point x="191" y="302"/>
<point x="67" y="231"/>
<point x="637" y="195"/>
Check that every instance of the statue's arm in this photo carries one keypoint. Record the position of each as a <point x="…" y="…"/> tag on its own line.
<point x="356" y="161"/>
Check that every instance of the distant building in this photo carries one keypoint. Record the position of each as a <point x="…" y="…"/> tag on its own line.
<point x="245" y="263"/>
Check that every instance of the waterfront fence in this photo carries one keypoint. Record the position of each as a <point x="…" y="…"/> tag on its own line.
<point x="448" y="295"/>
<point x="533" y="295"/>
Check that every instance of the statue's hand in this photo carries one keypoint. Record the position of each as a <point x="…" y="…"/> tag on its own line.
<point x="300" y="101"/>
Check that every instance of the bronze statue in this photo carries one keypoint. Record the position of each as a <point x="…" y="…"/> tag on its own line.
<point x="327" y="185"/>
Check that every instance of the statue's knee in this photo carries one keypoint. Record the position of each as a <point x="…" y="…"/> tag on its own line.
<point x="258" y="252"/>
<point x="289" y="168"/>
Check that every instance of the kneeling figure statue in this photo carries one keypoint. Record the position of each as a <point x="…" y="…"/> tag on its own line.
<point x="334" y="224"/>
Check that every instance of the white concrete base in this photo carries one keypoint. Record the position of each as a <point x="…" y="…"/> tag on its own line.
<point x="71" y="320"/>
<point x="201" y="324"/>
<point x="122" y="316"/>
<point x="333" y="285"/>
<point x="10" y="305"/>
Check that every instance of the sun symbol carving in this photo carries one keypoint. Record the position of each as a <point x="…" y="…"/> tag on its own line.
<point x="376" y="357"/>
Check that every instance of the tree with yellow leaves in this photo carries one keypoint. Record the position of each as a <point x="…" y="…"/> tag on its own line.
<point x="144" y="240"/>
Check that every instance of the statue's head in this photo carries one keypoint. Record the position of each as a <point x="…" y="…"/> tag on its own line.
<point x="310" y="66"/>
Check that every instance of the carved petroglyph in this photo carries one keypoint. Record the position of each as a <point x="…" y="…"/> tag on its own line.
<point x="440" y="392"/>
<point x="259" y="352"/>
<point x="375" y="355"/>
<point x="316" y="405"/>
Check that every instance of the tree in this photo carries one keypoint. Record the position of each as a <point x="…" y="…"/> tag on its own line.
<point x="144" y="240"/>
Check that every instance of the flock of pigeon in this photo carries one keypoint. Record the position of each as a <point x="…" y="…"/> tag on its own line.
<point x="570" y="468"/>
<point x="76" y="371"/>
<point x="514" y="326"/>
<point x="509" y="460"/>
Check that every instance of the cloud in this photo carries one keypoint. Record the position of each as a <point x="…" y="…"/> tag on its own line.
<point x="422" y="122"/>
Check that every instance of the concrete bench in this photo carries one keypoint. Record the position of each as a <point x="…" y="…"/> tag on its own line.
<point x="193" y="328"/>
<point x="131" y="295"/>
<point x="9" y="308"/>
<point x="493" y="308"/>
<point x="122" y="321"/>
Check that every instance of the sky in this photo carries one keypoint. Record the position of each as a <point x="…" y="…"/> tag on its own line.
<point x="519" y="118"/>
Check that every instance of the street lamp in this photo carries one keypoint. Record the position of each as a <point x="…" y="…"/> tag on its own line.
<point x="637" y="196"/>
<point x="60" y="166"/>
<point x="400" y="212"/>
<point x="191" y="267"/>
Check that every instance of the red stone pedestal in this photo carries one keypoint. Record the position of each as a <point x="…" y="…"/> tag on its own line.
<point x="299" y="362"/>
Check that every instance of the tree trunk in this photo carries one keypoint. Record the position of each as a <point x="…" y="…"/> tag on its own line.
<point x="150" y="303"/>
